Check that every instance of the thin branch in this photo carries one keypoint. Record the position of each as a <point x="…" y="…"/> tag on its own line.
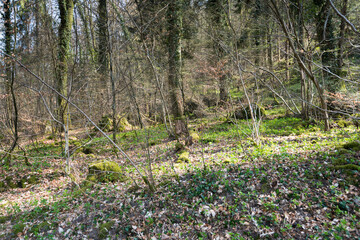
<point x="343" y="17"/>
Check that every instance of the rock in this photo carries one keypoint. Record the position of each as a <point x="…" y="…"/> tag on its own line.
<point x="106" y="123"/>
<point x="244" y="113"/>
<point x="105" y="171"/>
<point x="29" y="180"/>
<point x="195" y="109"/>
<point x="88" y="150"/>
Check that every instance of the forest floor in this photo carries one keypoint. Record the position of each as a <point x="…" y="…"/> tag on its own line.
<point x="288" y="187"/>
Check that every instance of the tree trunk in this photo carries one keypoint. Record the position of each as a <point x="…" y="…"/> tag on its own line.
<point x="66" y="8"/>
<point x="216" y="10"/>
<point x="340" y="55"/>
<point x="326" y="38"/>
<point x="174" y="73"/>
<point x="103" y="47"/>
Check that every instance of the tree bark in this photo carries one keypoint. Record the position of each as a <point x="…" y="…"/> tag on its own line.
<point x="174" y="71"/>
<point x="340" y="55"/>
<point x="66" y="8"/>
<point x="103" y="44"/>
<point x="216" y="10"/>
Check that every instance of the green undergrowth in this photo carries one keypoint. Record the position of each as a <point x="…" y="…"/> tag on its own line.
<point x="243" y="128"/>
<point x="230" y="198"/>
<point x="231" y="185"/>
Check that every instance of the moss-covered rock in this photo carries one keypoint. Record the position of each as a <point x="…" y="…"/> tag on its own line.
<point x="105" y="171"/>
<point x="106" y="123"/>
<point x="123" y="124"/>
<point x="355" y="146"/>
<point x="88" y="150"/>
<point x="28" y="180"/>
<point x="244" y="112"/>
<point x="194" y="136"/>
<point x="183" y="157"/>
<point x="105" y="228"/>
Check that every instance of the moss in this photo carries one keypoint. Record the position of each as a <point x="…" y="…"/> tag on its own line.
<point x="183" y="157"/>
<point x="106" y="123"/>
<point x="50" y="137"/>
<point x="348" y="167"/>
<point x="194" y="136"/>
<point x="265" y="188"/>
<point x="3" y="187"/>
<point x="91" y="156"/>
<point x="105" y="228"/>
<point x="72" y="177"/>
<point x="343" y="123"/>
<point x="342" y="151"/>
<point x="355" y="146"/>
<point x="105" y="171"/>
<point x="339" y="161"/>
<point x="147" y="182"/>
<point x="18" y="228"/>
<point x="4" y="219"/>
<point x="10" y="183"/>
<point x="29" y="180"/>
<point x="209" y="140"/>
<point x="33" y="179"/>
<point x="226" y="161"/>
<point x="123" y="124"/>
